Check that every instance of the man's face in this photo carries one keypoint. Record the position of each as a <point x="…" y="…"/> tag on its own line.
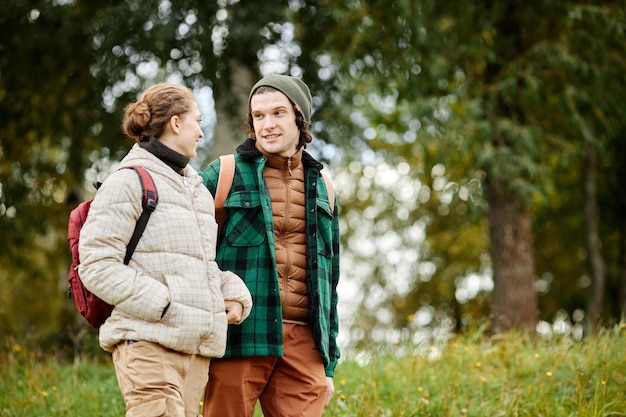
<point x="274" y="121"/>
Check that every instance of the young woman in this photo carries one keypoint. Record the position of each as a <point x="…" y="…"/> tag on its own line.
<point x="172" y="302"/>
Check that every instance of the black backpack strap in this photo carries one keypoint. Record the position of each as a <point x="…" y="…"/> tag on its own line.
<point x="149" y="200"/>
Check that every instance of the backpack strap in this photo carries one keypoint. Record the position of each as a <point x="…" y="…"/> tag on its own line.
<point x="330" y="189"/>
<point x="149" y="200"/>
<point x="225" y="179"/>
<point x="224" y="183"/>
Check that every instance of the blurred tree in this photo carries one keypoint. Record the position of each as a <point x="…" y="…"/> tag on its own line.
<point x="614" y="227"/>
<point x="513" y="95"/>
<point x="48" y="104"/>
<point x="67" y="69"/>
<point x="455" y="129"/>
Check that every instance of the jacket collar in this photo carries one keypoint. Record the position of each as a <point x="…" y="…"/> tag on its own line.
<point x="173" y="159"/>
<point x="282" y="162"/>
<point x="141" y="157"/>
<point x="248" y="150"/>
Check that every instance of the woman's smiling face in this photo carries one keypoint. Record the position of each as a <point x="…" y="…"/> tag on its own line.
<point x="184" y="132"/>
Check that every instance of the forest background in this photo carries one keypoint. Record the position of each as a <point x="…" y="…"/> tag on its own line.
<point x="477" y="148"/>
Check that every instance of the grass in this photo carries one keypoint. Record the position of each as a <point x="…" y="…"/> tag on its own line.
<point x="508" y="375"/>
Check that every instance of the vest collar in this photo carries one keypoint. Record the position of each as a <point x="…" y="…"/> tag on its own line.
<point x="248" y="150"/>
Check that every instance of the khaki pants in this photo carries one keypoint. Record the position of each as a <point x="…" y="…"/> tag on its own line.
<point x="288" y="386"/>
<point x="156" y="381"/>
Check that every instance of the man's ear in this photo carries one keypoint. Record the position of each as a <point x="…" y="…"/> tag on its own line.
<point x="175" y="123"/>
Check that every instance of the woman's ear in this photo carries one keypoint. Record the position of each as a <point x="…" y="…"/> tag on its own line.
<point x="175" y="123"/>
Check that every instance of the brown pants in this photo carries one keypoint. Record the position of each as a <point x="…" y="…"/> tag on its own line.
<point x="157" y="381"/>
<point x="290" y="386"/>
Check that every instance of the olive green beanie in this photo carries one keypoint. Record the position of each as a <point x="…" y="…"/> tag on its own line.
<point x="296" y="90"/>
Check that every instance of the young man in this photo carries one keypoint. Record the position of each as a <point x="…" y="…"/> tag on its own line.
<point x="282" y="237"/>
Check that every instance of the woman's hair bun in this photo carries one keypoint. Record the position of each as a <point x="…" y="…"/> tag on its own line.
<point x="136" y="118"/>
<point x="148" y="117"/>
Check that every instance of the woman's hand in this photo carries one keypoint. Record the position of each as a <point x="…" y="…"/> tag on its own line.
<point x="234" y="311"/>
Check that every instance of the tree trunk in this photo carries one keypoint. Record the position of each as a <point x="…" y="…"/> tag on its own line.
<point x="596" y="263"/>
<point x="592" y="238"/>
<point x="231" y="107"/>
<point x="622" y="269"/>
<point x="514" y="303"/>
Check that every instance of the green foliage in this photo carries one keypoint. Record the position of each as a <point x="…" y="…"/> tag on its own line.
<point x="504" y="376"/>
<point x="489" y="90"/>
<point x="508" y="375"/>
<point x="446" y="94"/>
<point x="46" y="385"/>
<point x="67" y="70"/>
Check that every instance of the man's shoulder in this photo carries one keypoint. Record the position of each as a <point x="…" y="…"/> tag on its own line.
<point x="310" y="162"/>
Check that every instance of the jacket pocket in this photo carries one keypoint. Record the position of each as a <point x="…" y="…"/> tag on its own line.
<point x="214" y="345"/>
<point x="191" y="310"/>
<point x="324" y="229"/>
<point x="245" y="225"/>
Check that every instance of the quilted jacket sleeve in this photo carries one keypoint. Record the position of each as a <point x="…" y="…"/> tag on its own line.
<point x="234" y="289"/>
<point x="107" y="231"/>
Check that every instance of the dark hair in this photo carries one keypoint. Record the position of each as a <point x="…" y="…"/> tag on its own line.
<point x="305" y="135"/>
<point x="148" y="117"/>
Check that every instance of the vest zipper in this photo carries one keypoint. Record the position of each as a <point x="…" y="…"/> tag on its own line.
<point x="283" y="229"/>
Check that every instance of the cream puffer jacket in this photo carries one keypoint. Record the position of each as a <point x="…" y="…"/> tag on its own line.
<point x="173" y="264"/>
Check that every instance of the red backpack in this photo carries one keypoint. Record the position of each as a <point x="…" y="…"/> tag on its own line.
<point x="91" y="307"/>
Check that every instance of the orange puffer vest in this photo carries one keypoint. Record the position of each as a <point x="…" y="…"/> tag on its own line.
<point x="284" y="178"/>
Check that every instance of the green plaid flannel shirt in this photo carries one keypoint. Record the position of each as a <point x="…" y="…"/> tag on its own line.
<point x="246" y="247"/>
